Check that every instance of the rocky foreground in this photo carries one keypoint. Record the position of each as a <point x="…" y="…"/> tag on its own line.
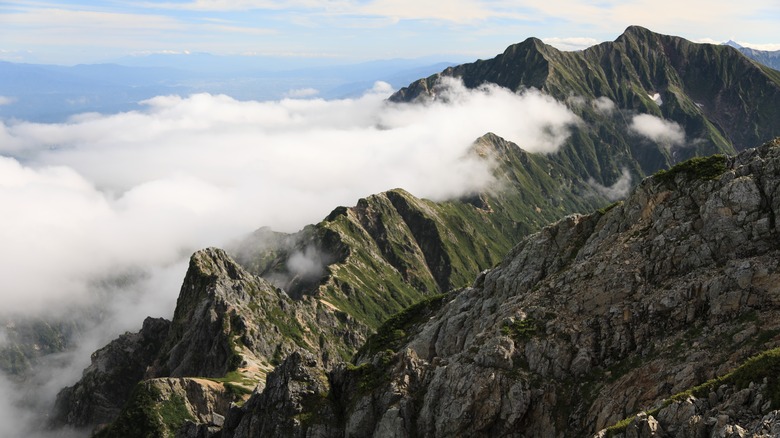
<point x="586" y="323"/>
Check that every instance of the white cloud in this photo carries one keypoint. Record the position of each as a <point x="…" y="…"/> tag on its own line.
<point x="604" y="105"/>
<point x="664" y="132"/>
<point x="299" y="93"/>
<point x="770" y="47"/>
<point x="459" y="11"/>
<point x="61" y="19"/>
<point x="5" y="100"/>
<point x="616" y="191"/>
<point x="246" y="5"/>
<point x="142" y="190"/>
<point x="571" y="43"/>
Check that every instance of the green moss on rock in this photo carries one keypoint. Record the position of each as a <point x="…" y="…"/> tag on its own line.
<point x="698" y="168"/>
<point x="396" y="330"/>
<point x="147" y="414"/>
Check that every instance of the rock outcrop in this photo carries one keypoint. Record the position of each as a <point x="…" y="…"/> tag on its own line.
<point x="173" y="407"/>
<point x="230" y="327"/>
<point x="586" y="322"/>
<point x="107" y="383"/>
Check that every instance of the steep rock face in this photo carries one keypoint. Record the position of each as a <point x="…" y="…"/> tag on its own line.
<point x="294" y="398"/>
<point x="227" y="318"/>
<point x="107" y="383"/>
<point x="589" y="320"/>
<point x="722" y="100"/>
<point x="173" y="407"/>
<point x="229" y="326"/>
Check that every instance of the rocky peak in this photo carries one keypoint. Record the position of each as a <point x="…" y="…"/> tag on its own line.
<point x="700" y="87"/>
<point x="294" y="400"/>
<point x="638" y="33"/>
<point x="214" y="263"/>
<point x="200" y="339"/>
<point x="109" y="380"/>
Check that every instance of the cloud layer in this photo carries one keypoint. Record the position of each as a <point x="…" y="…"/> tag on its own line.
<point x="664" y="132"/>
<point x="139" y="191"/>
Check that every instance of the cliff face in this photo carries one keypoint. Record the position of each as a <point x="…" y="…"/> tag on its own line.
<point x="107" y="383"/>
<point x="584" y="323"/>
<point x="230" y="328"/>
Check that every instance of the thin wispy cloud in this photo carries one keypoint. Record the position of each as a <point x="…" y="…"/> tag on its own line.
<point x="618" y="190"/>
<point x="571" y="43"/>
<point x="373" y="29"/>
<point x="663" y="132"/>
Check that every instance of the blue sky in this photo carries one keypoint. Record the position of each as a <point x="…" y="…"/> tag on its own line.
<point x="344" y="31"/>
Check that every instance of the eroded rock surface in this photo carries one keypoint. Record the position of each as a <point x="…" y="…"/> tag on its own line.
<point x="591" y="320"/>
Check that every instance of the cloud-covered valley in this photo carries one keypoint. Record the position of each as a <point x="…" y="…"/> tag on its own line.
<point x="105" y="196"/>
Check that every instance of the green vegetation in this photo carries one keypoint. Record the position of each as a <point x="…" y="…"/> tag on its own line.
<point x="393" y="249"/>
<point x="763" y="366"/>
<point x="372" y="375"/>
<point x="604" y="210"/>
<point x="236" y="383"/>
<point x="147" y="415"/>
<point x="395" y="331"/>
<point x="174" y="413"/>
<point x="619" y="427"/>
<point x="698" y="168"/>
<point x="520" y="329"/>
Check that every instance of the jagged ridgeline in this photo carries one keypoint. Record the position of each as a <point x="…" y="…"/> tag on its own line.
<point x="645" y="305"/>
<point x="724" y="101"/>
<point x="549" y="342"/>
<point x="393" y="249"/>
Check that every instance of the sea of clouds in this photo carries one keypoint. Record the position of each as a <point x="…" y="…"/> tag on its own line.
<point x="104" y="210"/>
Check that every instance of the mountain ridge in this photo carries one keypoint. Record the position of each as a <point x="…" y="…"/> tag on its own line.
<point x="699" y="86"/>
<point x="554" y="335"/>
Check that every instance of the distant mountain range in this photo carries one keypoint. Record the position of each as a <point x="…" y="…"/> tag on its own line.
<point x="51" y="93"/>
<point x="766" y="57"/>
<point x="722" y="101"/>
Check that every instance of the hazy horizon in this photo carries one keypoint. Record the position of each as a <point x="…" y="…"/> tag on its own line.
<point x="346" y="32"/>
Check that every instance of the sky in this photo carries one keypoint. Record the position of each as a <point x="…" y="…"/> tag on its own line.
<point x="346" y="31"/>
